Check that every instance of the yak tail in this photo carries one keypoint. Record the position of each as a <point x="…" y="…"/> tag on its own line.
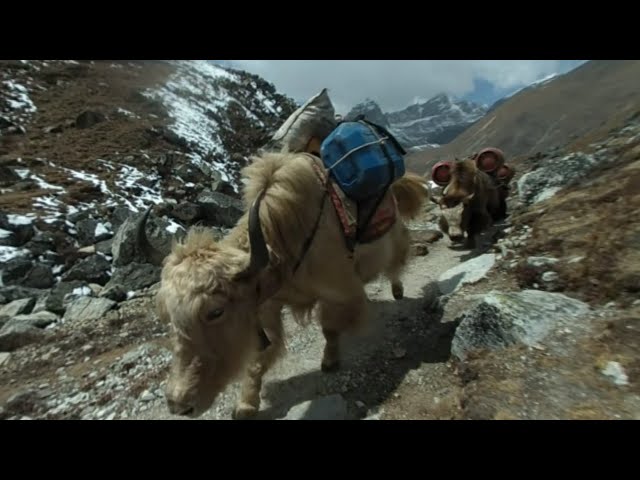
<point x="411" y="192"/>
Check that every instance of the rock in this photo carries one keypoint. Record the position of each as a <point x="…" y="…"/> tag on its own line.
<point x="617" y="374"/>
<point x="20" y="233"/>
<point x="332" y="407"/>
<point x="39" y="320"/>
<point x="132" y="277"/>
<point x="17" y="335"/>
<point x="22" y="401"/>
<point x="426" y="236"/>
<point x="41" y="243"/>
<point x="502" y="319"/>
<point x="86" y="231"/>
<point x="7" y="175"/>
<point x="539" y="262"/>
<point x="18" y="307"/>
<point x="420" y="250"/>
<point x="147" y="396"/>
<point x="4" y="358"/>
<point x="88" y="119"/>
<point x="14" y="271"/>
<point x="124" y="247"/>
<point x="186" y="212"/>
<point x="77" y="217"/>
<point x="470" y="271"/>
<point x="550" y="277"/>
<point x="219" y="209"/>
<point x="16" y="292"/>
<point x="88" y="309"/>
<point x="55" y="299"/>
<point x="53" y="129"/>
<point x="119" y="215"/>
<point x="190" y="173"/>
<point x="104" y="247"/>
<point x="399" y="352"/>
<point x="554" y="174"/>
<point x="221" y="186"/>
<point x="114" y="292"/>
<point x="93" y="269"/>
<point x="40" y="276"/>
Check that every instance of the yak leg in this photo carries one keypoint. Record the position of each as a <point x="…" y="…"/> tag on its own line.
<point x="398" y="262"/>
<point x="479" y="222"/>
<point x="336" y="318"/>
<point x="249" y="402"/>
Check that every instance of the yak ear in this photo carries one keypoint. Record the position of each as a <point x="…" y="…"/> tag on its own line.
<point x="268" y="284"/>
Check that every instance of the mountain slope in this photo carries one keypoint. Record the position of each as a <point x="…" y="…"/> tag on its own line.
<point x="595" y="96"/>
<point x="436" y="121"/>
<point x="88" y="134"/>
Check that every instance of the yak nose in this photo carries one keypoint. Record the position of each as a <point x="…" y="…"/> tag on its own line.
<point x="180" y="408"/>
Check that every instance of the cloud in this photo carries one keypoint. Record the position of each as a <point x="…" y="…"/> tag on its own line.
<point x="394" y="84"/>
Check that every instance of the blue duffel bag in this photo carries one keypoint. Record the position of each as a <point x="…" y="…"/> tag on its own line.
<point x="363" y="158"/>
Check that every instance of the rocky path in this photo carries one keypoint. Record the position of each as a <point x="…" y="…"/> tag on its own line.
<point x="403" y="336"/>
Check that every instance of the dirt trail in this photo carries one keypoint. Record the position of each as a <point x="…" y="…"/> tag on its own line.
<point x="403" y="336"/>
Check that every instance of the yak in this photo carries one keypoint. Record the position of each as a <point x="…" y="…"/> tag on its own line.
<point x="469" y="204"/>
<point x="224" y="299"/>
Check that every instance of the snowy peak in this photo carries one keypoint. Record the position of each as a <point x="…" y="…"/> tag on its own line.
<point x="424" y="124"/>
<point x="371" y="110"/>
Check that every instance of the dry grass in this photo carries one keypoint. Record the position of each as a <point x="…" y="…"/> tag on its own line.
<point x="598" y="221"/>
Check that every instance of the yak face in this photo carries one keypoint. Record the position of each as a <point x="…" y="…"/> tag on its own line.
<point x="210" y="294"/>
<point x="454" y="216"/>
<point x="213" y="313"/>
<point x="455" y="202"/>
<point x="212" y="319"/>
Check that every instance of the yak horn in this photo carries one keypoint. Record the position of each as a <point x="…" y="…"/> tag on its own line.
<point x="259" y="252"/>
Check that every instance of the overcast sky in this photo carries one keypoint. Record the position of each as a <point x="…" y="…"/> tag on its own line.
<point x="394" y="84"/>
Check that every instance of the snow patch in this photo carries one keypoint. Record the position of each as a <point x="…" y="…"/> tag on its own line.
<point x="82" y="291"/>
<point x="21" y="219"/>
<point x="100" y="230"/>
<point x="18" y="97"/>
<point x="173" y="227"/>
<point x="7" y="253"/>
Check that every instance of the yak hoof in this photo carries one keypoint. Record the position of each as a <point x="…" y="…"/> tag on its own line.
<point x="398" y="291"/>
<point x="330" y="367"/>
<point x="244" y="411"/>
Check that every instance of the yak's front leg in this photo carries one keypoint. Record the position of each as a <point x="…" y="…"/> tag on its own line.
<point x="271" y="343"/>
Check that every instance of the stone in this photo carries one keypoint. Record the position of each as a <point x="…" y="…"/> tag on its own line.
<point x="332" y="407"/>
<point x="470" y="271"/>
<point x="503" y="319"/>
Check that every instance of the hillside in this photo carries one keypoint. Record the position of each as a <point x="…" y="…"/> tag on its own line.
<point x="79" y="133"/>
<point x="593" y="97"/>
<point x="424" y="125"/>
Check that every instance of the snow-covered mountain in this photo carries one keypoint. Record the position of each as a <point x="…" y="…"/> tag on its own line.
<point x="427" y="124"/>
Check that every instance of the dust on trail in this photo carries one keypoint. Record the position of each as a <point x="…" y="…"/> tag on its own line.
<point x="402" y="336"/>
